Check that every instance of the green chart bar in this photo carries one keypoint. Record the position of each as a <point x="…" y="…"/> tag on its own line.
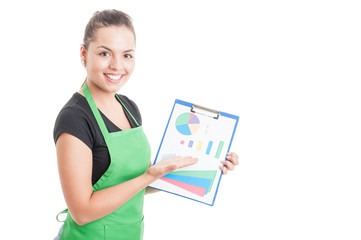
<point x="219" y="149"/>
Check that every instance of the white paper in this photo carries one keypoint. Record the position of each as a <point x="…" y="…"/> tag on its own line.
<point x="207" y="139"/>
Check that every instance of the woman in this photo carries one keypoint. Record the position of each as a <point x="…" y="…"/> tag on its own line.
<point x="103" y="154"/>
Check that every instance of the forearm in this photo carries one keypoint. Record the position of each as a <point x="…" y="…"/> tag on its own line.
<point x="105" y="201"/>
<point x="96" y="205"/>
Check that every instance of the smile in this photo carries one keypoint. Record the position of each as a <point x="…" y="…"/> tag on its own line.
<point x="113" y="77"/>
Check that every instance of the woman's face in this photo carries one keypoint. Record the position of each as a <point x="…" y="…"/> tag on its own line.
<point x="109" y="59"/>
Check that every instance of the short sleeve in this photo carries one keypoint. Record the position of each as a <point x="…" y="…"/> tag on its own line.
<point x="73" y="121"/>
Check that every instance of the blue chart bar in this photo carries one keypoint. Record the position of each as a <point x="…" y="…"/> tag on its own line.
<point x="190" y="144"/>
<point x="209" y="147"/>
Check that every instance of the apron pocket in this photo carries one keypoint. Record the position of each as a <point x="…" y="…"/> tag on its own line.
<point x="124" y="232"/>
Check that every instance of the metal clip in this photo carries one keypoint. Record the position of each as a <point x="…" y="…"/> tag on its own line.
<point x="205" y="111"/>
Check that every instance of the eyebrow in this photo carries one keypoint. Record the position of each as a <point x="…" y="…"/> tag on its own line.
<point x="102" y="46"/>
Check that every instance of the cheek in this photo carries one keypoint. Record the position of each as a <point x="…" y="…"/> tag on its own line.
<point x="130" y="66"/>
<point x="96" y="64"/>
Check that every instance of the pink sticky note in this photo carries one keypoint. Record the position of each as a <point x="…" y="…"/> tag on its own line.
<point x="190" y="188"/>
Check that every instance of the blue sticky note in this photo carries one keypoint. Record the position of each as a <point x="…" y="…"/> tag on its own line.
<point x="200" y="182"/>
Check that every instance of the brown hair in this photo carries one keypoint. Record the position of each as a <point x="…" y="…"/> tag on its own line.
<point x="103" y="19"/>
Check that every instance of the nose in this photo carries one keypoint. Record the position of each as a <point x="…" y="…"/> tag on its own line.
<point x="117" y="63"/>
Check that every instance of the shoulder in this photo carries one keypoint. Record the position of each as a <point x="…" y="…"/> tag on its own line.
<point x="75" y="108"/>
<point x="74" y="118"/>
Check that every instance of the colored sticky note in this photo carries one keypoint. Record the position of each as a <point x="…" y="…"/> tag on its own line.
<point x="210" y="174"/>
<point x="188" y="187"/>
<point x="197" y="173"/>
<point x="200" y="182"/>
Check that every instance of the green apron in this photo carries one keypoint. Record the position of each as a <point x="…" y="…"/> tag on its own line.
<point x="129" y="157"/>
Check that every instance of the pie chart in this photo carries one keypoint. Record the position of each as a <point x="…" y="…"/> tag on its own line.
<point x="187" y="123"/>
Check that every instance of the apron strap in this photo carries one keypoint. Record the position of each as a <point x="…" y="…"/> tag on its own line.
<point x="95" y="110"/>
<point x="62" y="212"/>
<point x="127" y="110"/>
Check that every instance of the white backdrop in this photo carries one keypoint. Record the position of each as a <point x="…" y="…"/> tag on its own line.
<point x="289" y="69"/>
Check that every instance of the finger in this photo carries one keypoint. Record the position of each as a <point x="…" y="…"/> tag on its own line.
<point x="186" y="161"/>
<point x="229" y="165"/>
<point x="174" y="164"/>
<point x="223" y="169"/>
<point x="233" y="157"/>
<point x="175" y="159"/>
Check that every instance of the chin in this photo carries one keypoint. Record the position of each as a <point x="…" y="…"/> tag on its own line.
<point x="115" y="87"/>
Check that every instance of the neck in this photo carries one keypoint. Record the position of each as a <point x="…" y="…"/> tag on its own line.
<point x="101" y="98"/>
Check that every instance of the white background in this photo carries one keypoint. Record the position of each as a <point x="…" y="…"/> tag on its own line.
<point x="289" y="69"/>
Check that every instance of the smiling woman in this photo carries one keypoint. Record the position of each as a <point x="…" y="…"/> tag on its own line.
<point x="103" y="154"/>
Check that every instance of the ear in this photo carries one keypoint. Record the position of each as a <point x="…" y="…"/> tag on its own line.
<point x="83" y="54"/>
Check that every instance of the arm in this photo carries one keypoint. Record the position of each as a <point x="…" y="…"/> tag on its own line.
<point x="75" y="169"/>
<point x="150" y="190"/>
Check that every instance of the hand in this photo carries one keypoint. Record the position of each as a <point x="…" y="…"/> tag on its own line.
<point x="232" y="161"/>
<point x="169" y="165"/>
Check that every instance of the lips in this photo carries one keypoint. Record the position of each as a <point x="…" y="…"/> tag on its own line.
<point x="114" y="78"/>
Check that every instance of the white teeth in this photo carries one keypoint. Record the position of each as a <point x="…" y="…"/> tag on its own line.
<point x="114" y="77"/>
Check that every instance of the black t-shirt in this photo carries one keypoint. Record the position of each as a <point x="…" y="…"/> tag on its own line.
<point x="77" y="119"/>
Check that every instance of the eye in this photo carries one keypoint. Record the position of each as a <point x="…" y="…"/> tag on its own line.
<point x="128" y="56"/>
<point x="104" y="54"/>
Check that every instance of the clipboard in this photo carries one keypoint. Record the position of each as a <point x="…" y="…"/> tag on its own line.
<point x="201" y="132"/>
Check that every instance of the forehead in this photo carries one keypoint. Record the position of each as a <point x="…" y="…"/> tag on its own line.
<point x="114" y="37"/>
